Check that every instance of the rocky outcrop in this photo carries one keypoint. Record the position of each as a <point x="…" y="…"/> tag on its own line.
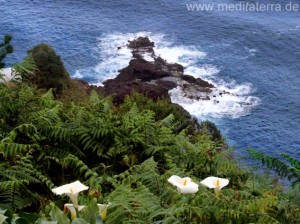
<point x="153" y="76"/>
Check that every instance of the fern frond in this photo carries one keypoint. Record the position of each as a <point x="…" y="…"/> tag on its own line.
<point x="79" y="167"/>
<point x="168" y="121"/>
<point x="292" y="161"/>
<point x="11" y="149"/>
<point x="280" y="167"/>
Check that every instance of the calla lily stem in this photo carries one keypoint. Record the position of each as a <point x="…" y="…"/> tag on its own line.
<point x="77" y="212"/>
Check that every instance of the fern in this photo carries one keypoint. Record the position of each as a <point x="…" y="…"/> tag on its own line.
<point x="292" y="172"/>
<point x="25" y="68"/>
<point x="132" y="205"/>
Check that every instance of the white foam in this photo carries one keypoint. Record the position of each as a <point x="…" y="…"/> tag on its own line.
<point x="77" y="75"/>
<point x="252" y="51"/>
<point x="225" y="105"/>
<point x="297" y="28"/>
<point x="183" y="55"/>
<point x="201" y="71"/>
<point x="148" y="57"/>
<point x="114" y="55"/>
<point x="7" y="72"/>
<point x="228" y="99"/>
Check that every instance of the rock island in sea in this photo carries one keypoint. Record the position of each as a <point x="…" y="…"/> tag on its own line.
<point x="150" y="74"/>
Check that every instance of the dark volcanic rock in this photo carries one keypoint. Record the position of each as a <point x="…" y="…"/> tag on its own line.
<point x="154" y="78"/>
<point x="140" y="46"/>
<point x="197" y="81"/>
<point x="141" y="42"/>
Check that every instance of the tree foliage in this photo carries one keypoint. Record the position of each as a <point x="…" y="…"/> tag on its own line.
<point x="5" y="48"/>
<point x="51" y="72"/>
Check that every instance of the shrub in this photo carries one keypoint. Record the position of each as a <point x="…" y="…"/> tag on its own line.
<point x="51" y="72"/>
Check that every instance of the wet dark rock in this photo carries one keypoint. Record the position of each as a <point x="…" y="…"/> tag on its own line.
<point x="153" y="78"/>
<point x="140" y="42"/>
<point x="140" y="46"/>
<point x="197" y="81"/>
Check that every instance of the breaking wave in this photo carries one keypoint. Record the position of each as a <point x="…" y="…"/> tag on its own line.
<point x="228" y="99"/>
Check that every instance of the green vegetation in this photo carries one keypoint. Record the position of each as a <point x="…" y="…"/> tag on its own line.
<point x="125" y="155"/>
<point x="5" y="48"/>
<point x="51" y="72"/>
<point x="289" y="168"/>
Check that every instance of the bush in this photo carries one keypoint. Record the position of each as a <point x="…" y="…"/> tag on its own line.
<point x="51" y="72"/>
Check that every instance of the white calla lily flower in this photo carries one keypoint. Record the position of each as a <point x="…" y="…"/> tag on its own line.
<point x="184" y="185"/>
<point x="103" y="210"/>
<point x="72" y="209"/>
<point x="215" y="182"/>
<point x="72" y="190"/>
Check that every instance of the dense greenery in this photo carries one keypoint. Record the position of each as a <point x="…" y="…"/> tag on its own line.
<point x="125" y="155"/>
<point x="50" y="72"/>
<point x="5" y="48"/>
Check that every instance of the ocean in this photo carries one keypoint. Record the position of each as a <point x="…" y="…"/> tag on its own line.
<point x="254" y="55"/>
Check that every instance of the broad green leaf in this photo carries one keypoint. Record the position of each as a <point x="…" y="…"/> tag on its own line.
<point x="2" y="218"/>
<point x="20" y="220"/>
<point x="90" y="212"/>
<point x="7" y="213"/>
<point x="29" y="217"/>
<point x="57" y="215"/>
